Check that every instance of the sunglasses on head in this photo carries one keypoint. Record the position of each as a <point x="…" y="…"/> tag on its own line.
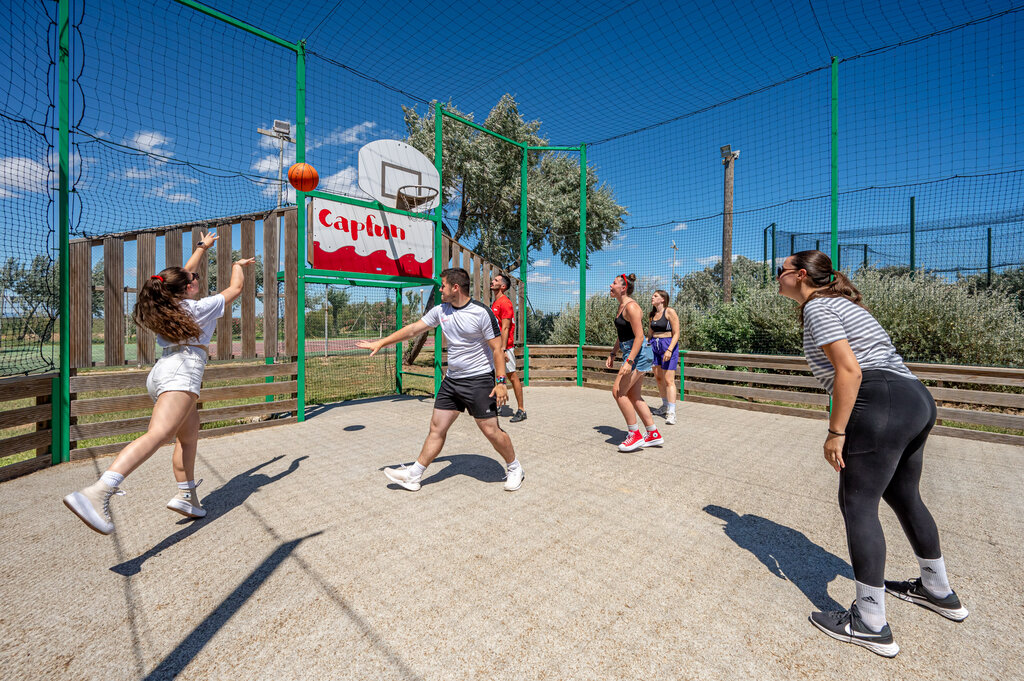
<point x="195" y="276"/>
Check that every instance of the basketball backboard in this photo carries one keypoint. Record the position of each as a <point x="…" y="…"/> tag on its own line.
<point x="385" y="166"/>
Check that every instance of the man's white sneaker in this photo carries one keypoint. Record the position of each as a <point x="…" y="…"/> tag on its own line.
<point x="92" y="505"/>
<point x="670" y="418"/>
<point x="403" y="476"/>
<point x="514" y="479"/>
<point x="187" y="502"/>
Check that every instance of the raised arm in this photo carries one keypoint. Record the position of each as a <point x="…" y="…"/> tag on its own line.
<point x="234" y="289"/>
<point x="205" y="242"/>
<point x="404" y="333"/>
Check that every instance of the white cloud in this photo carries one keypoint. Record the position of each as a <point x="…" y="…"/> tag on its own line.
<point x="618" y="242"/>
<point x="150" y="142"/>
<point x="165" y="192"/>
<point x="651" y="281"/>
<point x="269" y="164"/>
<point x="345" y="182"/>
<point x="680" y="227"/>
<point x="618" y="263"/>
<point x="674" y="263"/>
<point x="713" y="259"/>
<point x="542" y="263"/>
<point x="537" y="278"/>
<point x="352" y="135"/>
<point x="22" y="174"/>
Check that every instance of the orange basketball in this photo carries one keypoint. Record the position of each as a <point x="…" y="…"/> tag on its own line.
<point x="303" y="177"/>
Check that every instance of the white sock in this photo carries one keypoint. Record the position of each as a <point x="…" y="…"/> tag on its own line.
<point x="112" y="479"/>
<point x="416" y="470"/>
<point x="651" y="429"/>
<point x="871" y="604"/>
<point x="633" y="426"/>
<point x="671" y="408"/>
<point x="933" y="576"/>
<point x="514" y="465"/>
<point x="188" y="484"/>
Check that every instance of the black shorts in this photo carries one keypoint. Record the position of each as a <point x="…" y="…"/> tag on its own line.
<point x="472" y="394"/>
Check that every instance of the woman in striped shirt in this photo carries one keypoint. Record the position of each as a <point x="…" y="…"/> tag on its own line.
<point x="880" y="419"/>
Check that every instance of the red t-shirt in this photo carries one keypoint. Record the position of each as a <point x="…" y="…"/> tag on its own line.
<point x="502" y="309"/>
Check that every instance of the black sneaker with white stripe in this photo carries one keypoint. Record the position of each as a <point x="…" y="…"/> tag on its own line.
<point x="847" y="626"/>
<point x="915" y="592"/>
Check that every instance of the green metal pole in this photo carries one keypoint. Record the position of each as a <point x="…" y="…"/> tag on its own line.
<point x="764" y="253"/>
<point x="438" y="214"/>
<point x="300" y="202"/>
<point x="61" y="429"/>
<point x="913" y="238"/>
<point x="682" y="374"/>
<point x="269" y="379"/>
<point x="522" y="265"/>
<point x="398" y="347"/>
<point x="835" y="160"/>
<point x="865" y="263"/>
<point x="988" y="261"/>
<point x="209" y="11"/>
<point x="583" y="264"/>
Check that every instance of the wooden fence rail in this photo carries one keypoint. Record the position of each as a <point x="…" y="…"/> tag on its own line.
<point x="31" y="424"/>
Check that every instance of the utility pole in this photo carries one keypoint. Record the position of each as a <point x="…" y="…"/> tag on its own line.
<point x="672" y="284"/>
<point x="282" y="132"/>
<point x="728" y="156"/>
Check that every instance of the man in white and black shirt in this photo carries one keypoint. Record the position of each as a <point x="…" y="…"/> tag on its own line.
<point x="474" y="382"/>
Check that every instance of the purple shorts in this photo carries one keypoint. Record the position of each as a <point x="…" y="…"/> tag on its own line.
<point x="659" y="346"/>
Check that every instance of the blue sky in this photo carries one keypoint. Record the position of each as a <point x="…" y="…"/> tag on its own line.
<point x="169" y="101"/>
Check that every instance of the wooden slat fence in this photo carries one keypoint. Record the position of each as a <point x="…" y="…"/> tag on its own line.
<point x="28" y="425"/>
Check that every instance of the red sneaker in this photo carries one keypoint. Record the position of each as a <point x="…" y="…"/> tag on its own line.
<point x="633" y="442"/>
<point x="653" y="438"/>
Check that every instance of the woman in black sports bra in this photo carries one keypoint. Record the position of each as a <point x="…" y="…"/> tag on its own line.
<point x="637" y="359"/>
<point x="665" y="346"/>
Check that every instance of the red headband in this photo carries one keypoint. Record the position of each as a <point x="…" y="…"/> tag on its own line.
<point x="625" y="280"/>
<point x="157" y="276"/>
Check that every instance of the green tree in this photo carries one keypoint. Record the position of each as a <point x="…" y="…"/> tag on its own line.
<point x="97" y="290"/>
<point x="481" y="176"/>
<point x="37" y="290"/>
<point x="11" y="273"/>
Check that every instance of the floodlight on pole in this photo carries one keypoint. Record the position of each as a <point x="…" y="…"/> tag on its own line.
<point x="281" y="131"/>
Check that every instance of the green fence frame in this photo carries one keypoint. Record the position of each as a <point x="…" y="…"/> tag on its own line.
<point x="440" y="112"/>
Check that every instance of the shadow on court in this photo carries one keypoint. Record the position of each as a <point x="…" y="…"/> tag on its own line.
<point x="221" y="500"/>
<point x="185" y="652"/>
<point x="315" y="410"/>
<point x="476" y="466"/>
<point x="787" y="553"/>
<point x="614" y="435"/>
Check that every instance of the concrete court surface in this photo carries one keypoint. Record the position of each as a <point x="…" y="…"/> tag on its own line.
<point x="697" y="560"/>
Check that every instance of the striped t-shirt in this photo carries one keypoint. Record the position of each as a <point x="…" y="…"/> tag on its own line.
<point x="827" y="320"/>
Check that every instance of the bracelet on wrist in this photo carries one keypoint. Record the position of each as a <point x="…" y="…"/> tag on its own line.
<point x="836" y="432"/>
<point x="500" y="380"/>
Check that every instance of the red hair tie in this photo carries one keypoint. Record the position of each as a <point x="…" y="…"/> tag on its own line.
<point x="157" y="276"/>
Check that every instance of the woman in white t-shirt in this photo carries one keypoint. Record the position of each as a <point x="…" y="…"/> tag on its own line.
<point x="169" y="305"/>
<point x="878" y="426"/>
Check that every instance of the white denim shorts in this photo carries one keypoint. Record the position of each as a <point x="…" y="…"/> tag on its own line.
<point x="510" y="361"/>
<point x="180" y="368"/>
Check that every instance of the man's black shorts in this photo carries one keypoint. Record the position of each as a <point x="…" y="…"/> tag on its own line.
<point x="471" y="394"/>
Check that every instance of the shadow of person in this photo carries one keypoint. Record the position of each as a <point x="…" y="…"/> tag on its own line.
<point x="786" y="553"/>
<point x="217" y="503"/>
<point x="615" y="435"/>
<point x="476" y="466"/>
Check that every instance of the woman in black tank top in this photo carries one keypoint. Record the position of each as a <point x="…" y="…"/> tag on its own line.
<point x="665" y="346"/>
<point x="637" y="360"/>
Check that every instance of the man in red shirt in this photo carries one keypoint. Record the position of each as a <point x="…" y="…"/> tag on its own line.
<point x="506" y="315"/>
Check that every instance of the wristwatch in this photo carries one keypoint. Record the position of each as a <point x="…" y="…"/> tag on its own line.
<point x="632" y="362"/>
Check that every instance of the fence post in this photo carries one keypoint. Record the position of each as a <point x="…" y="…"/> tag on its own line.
<point x="300" y="216"/>
<point x="682" y="375"/>
<point x="61" y="425"/>
<point x="522" y="261"/>
<point x="913" y="237"/>
<point x="835" y="161"/>
<point x="988" y="259"/>
<point x="583" y="265"/>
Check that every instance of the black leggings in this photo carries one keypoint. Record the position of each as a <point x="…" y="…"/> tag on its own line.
<point x="884" y="452"/>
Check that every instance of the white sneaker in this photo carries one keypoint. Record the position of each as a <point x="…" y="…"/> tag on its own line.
<point x="403" y="476"/>
<point x="514" y="479"/>
<point x="187" y="502"/>
<point x="92" y="505"/>
<point x="670" y="418"/>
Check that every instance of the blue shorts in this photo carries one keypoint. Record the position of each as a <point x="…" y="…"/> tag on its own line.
<point x="644" y="359"/>
<point x="658" y="347"/>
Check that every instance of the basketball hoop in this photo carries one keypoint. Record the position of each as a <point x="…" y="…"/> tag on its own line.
<point x="412" y="196"/>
